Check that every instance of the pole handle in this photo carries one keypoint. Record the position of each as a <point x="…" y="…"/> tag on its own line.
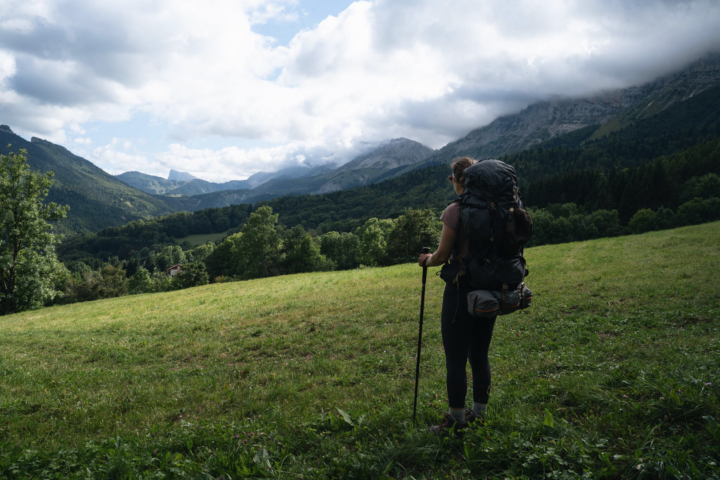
<point x="425" y="250"/>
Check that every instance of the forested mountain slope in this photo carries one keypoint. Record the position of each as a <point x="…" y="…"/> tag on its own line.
<point x="200" y="187"/>
<point x="149" y="183"/>
<point x="96" y="198"/>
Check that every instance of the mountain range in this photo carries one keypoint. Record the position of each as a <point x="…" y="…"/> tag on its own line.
<point x="299" y="179"/>
<point x="97" y="199"/>
<point x="665" y="166"/>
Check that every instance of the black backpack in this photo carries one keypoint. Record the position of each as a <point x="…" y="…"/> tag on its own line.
<point x="493" y="218"/>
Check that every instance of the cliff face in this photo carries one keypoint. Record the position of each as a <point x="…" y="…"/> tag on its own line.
<point x="544" y="120"/>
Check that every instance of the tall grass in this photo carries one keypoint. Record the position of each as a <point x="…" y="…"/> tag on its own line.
<point x="612" y="373"/>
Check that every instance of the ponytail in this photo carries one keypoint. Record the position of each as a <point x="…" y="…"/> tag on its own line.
<point x="458" y="165"/>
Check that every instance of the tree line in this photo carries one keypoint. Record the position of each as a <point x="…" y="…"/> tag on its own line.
<point x="141" y="236"/>
<point x="262" y="248"/>
<point x="668" y="182"/>
<point x="265" y="248"/>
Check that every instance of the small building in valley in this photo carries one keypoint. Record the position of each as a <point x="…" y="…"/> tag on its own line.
<point x="174" y="270"/>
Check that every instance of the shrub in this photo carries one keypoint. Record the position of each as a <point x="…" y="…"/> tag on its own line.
<point x="643" y="221"/>
<point x="191" y="275"/>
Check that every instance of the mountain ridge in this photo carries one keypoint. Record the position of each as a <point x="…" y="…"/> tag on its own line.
<point x="547" y="119"/>
<point x="297" y="179"/>
<point x="96" y="198"/>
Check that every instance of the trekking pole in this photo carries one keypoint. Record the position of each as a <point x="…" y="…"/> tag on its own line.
<point x="422" y="311"/>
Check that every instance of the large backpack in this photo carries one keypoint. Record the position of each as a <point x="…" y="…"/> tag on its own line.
<point x="493" y="219"/>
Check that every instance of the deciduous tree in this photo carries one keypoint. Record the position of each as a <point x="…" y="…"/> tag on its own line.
<point x="27" y="256"/>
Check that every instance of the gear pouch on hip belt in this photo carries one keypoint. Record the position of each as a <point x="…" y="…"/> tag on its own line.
<point x="490" y="303"/>
<point x="451" y="273"/>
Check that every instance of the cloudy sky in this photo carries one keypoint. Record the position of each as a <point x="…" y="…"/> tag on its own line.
<point x="227" y="88"/>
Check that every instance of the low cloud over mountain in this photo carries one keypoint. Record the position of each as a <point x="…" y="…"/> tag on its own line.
<point x="376" y="70"/>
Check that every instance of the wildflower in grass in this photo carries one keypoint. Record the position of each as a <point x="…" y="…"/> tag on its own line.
<point x="625" y="396"/>
<point x="237" y="436"/>
<point x="708" y="384"/>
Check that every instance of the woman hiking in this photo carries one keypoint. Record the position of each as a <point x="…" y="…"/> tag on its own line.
<point x="464" y="336"/>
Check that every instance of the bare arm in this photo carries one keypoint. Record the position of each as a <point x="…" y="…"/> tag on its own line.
<point x="441" y="255"/>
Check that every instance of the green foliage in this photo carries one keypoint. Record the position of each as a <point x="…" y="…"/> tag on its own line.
<point x="612" y="373"/>
<point x="694" y="212"/>
<point x="109" y="282"/>
<point x="28" y="265"/>
<point x="132" y="266"/>
<point x="300" y="253"/>
<point x="342" y="248"/>
<point x="411" y="232"/>
<point x="667" y="181"/>
<point x="220" y="261"/>
<point x="258" y="251"/>
<point x="140" y="282"/>
<point x="190" y="275"/>
<point x="707" y="186"/>
<point x="170" y="256"/>
<point x="373" y="237"/>
<point x="568" y="223"/>
<point x="698" y="211"/>
<point x="643" y="221"/>
<point x="201" y="252"/>
<point x="125" y="241"/>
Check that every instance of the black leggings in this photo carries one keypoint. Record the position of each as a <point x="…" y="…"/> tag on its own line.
<point x="465" y="338"/>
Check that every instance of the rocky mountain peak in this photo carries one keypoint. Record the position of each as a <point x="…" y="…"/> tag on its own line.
<point x="6" y="129"/>
<point x="395" y="153"/>
<point x="182" y="176"/>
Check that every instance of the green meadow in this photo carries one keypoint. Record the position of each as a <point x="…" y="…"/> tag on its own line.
<point x="614" y="372"/>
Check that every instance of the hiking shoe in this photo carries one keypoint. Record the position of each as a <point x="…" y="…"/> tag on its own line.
<point x="447" y="425"/>
<point x="471" y="418"/>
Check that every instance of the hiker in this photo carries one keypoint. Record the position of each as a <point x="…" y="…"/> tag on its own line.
<point x="464" y="336"/>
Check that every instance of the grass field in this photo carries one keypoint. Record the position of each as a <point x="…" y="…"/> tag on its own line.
<point x="203" y="238"/>
<point x="613" y="373"/>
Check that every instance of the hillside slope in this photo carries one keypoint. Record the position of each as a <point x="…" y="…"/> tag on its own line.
<point x="618" y="348"/>
<point x="96" y="198"/>
<point x="150" y="184"/>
